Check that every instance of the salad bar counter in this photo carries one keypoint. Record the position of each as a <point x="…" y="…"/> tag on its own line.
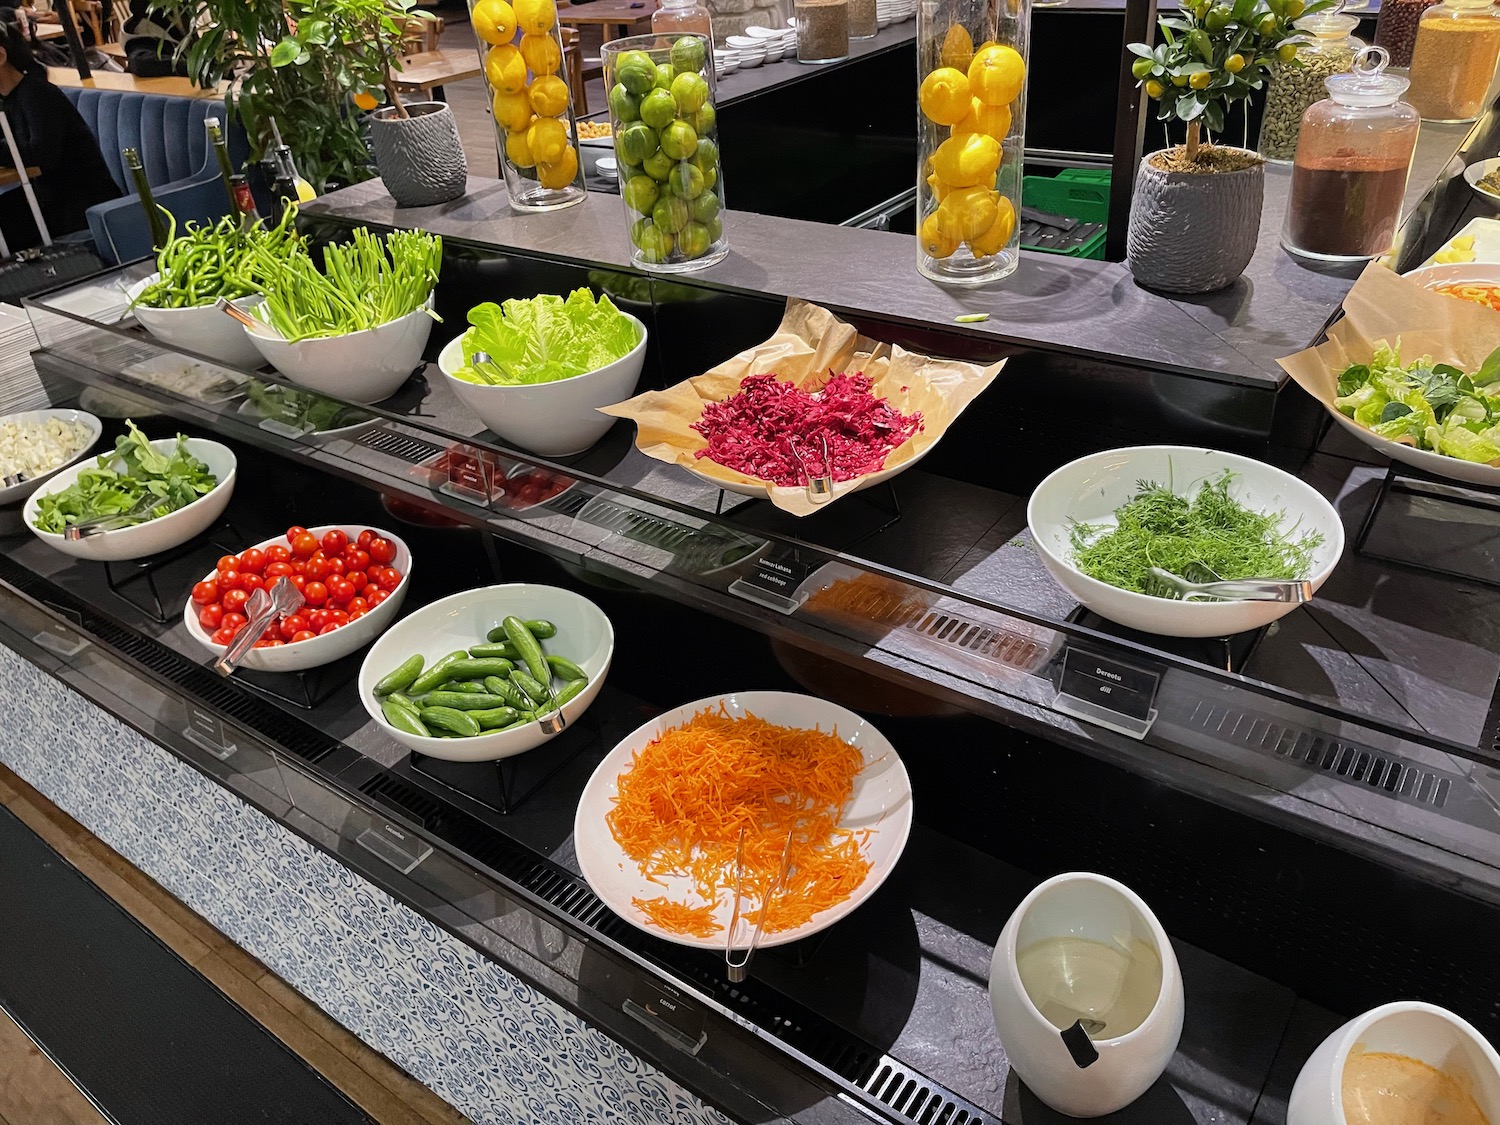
<point x="664" y="694"/>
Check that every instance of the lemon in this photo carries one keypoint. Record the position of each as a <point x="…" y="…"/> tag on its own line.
<point x="535" y="16"/>
<point x="549" y="96"/>
<point x="494" y="21"/>
<point x="958" y="48"/>
<point x="548" y="139"/>
<point x="939" y="189"/>
<point x="542" y="54"/>
<point x="997" y="237"/>
<point x="561" y="172"/>
<point x="997" y="74"/>
<point x="934" y="243"/>
<point x="506" y="70"/>
<point x="966" y="213"/>
<point x="992" y="120"/>
<point x="513" y="112"/>
<point x="967" y="161"/>
<point x="944" y="96"/>
<point x="518" y="151"/>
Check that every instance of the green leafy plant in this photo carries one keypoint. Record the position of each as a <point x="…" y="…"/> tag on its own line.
<point x="311" y="64"/>
<point x="1214" y="53"/>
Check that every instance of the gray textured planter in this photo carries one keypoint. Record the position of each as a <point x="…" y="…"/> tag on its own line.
<point x="419" y="157"/>
<point x="1193" y="232"/>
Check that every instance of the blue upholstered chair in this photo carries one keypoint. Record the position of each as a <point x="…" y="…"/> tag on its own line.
<point x="169" y="135"/>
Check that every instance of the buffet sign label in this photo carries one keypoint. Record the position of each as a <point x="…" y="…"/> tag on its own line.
<point x="775" y="580"/>
<point x="669" y="1013"/>
<point x="1107" y="691"/>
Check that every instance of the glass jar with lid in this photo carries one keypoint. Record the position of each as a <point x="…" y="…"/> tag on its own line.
<point x="1396" y="27"/>
<point x="1453" y="62"/>
<point x="1329" y="49"/>
<point x="1353" y="157"/>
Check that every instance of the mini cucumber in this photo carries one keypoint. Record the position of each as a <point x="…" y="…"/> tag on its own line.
<point x="437" y="675"/>
<point x="473" y="687"/>
<point x="464" y="701"/>
<point x="471" y="669"/>
<point x="402" y="719"/>
<point x="528" y="649"/>
<point x="541" y="630"/>
<point x="531" y="686"/>
<point x="501" y="651"/>
<point x="568" y="691"/>
<point x="495" y="717"/>
<point x="565" y="669"/>
<point x="446" y="718"/>
<point x="401" y="699"/>
<point x="403" y="677"/>
<point x="512" y="694"/>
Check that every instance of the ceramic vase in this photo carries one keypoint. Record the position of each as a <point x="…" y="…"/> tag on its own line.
<point x="419" y="157"/>
<point x="1194" y="232"/>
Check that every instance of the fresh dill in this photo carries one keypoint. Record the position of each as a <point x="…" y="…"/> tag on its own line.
<point x="1157" y="527"/>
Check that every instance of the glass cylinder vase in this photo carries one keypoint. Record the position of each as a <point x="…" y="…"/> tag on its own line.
<point x="971" y="65"/>
<point x="661" y="106"/>
<point x="521" y="50"/>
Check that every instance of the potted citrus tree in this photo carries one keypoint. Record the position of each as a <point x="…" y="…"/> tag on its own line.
<point x="1195" y="216"/>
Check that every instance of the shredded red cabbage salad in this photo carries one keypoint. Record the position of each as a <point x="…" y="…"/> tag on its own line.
<point x="754" y="431"/>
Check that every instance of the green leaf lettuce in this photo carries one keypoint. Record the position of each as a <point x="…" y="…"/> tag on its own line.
<point x="546" y="338"/>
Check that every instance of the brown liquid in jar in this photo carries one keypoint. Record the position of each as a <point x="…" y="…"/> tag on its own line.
<point x="1387" y="1089"/>
<point x="1452" y="66"/>
<point x="1345" y="205"/>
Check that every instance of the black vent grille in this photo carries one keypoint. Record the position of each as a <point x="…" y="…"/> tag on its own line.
<point x="907" y="1094"/>
<point x="298" y="738"/>
<point x="401" y="446"/>
<point x="1375" y="769"/>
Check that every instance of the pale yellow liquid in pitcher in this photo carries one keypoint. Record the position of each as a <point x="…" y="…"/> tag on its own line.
<point x="1386" y="1089"/>
<point x="1111" y="988"/>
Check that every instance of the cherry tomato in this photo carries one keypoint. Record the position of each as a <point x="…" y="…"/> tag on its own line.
<point x="356" y="578"/>
<point x="357" y="558"/>
<point x="304" y="545"/>
<point x="389" y="579"/>
<point x="314" y="593"/>
<point x="357" y="604"/>
<point x="326" y="629"/>
<point x="205" y="593"/>
<point x="227" y="562"/>
<point x="356" y="614"/>
<point x="299" y="566"/>
<point x="340" y="592"/>
<point x="377" y="597"/>
<point x="223" y="636"/>
<point x="276" y="553"/>
<point x="335" y="541"/>
<point x="369" y="591"/>
<point x="229" y="580"/>
<point x="234" y="600"/>
<point x="278" y="570"/>
<point x="364" y="539"/>
<point x="382" y="550"/>
<point x="290" y="626"/>
<point x="262" y="643"/>
<point x="294" y="531"/>
<point x="234" y="621"/>
<point x="304" y="635"/>
<point x="317" y="568"/>
<point x="298" y="580"/>
<point x="336" y="565"/>
<point x="252" y="582"/>
<point x="338" y="617"/>
<point x="211" y="617"/>
<point x="271" y="634"/>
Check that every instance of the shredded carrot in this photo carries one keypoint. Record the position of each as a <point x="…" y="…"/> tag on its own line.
<point x="1478" y="292"/>
<point x="686" y="797"/>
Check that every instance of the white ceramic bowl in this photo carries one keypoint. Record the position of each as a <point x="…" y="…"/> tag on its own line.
<point x="1476" y="172"/>
<point x="775" y="51"/>
<point x="1089" y="490"/>
<point x="584" y="635"/>
<point x="1424" y="1032"/>
<point x="323" y="649"/>
<point x="881" y="802"/>
<point x="758" y="32"/>
<point x="362" y="367"/>
<point x="554" y="419"/>
<point x="18" y="492"/>
<point x="154" y="536"/>
<point x="203" y="330"/>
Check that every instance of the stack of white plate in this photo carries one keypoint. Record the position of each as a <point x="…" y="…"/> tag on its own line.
<point x="776" y="40"/>
<point x="888" y="12"/>
<point x="19" y="386"/>
<point x="726" y="61"/>
<point x="752" y="52"/>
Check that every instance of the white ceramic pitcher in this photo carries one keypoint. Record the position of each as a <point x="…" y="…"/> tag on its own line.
<point x="1418" y="1031"/>
<point x="1087" y="951"/>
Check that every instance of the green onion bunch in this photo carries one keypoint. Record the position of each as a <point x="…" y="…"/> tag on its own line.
<point x="207" y="262"/>
<point x="368" y="282"/>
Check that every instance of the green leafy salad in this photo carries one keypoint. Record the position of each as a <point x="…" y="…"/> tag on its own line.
<point x="1157" y="527"/>
<point x="1431" y="406"/>
<point x="135" y="482"/>
<point x="545" y="339"/>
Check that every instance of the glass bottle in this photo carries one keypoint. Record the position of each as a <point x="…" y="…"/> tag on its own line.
<point x="971" y="62"/>
<point x="154" y="220"/>
<point x="244" y="201"/>
<point x="1352" y="162"/>
<point x="221" y="152"/>
<point x="1396" y="28"/>
<point x="289" y="184"/>
<point x="1329" y="50"/>
<point x="1453" y="62"/>
<point x="682" y="17"/>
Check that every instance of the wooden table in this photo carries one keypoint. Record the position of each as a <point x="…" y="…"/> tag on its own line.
<point x="49" y="31"/>
<point x="113" y="80"/>
<point x="615" y="18"/>
<point x="429" y="71"/>
<point x="9" y="176"/>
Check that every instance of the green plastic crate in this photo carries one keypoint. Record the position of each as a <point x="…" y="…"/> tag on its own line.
<point x="1079" y="193"/>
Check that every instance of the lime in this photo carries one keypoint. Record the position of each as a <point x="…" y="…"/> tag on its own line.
<point x="634" y="76"/>
<point x="705" y="120"/>
<point x="706" y="157"/>
<point x="678" y="140"/>
<point x="664" y="76"/>
<point x="686" y="180"/>
<point x="688" y="53"/>
<point x="715" y="228"/>
<point x="706" y="207"/>
<point x="670" y="213"/>
<point x="635" y="144"/>
<point x="710" y="177"/>
<point x="640" y="193"/>
<point x="691" y="93"/>
<point x="624" y="105"/>
<point x="658" y="166"/>
<point x="694" y="240"/>
<point x="654" y="244"/>
<point x="658" y="109"/>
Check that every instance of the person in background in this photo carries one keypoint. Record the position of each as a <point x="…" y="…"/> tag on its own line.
<point x="52" y="137"/>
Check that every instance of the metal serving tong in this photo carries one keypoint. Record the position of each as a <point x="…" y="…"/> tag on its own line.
<point x="554" y="720"/>
<point x="737" y="970"/>
<point x="85" y="529"/>
<point x="262" y="609"/>
<point x="10" y="480"/>
<point x="239" y="314"/>
<point x="479" y="361"/>
<point x="1200" y="584"/>
<point x="819" y="488"/>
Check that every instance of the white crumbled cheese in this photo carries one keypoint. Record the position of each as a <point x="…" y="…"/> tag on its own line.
<point x="34" y="448"/>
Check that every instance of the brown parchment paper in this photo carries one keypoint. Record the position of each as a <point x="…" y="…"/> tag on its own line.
<point x="810" y="342"/>
<point x="1386" y="306"/>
